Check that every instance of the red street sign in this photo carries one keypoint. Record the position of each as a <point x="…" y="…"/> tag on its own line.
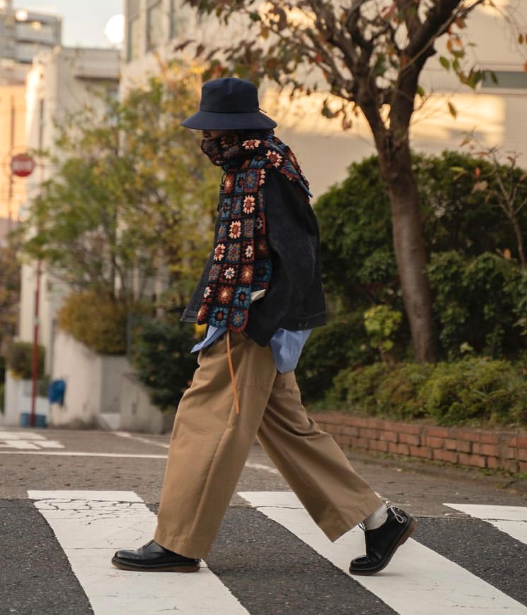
<point x="22" y="165"/>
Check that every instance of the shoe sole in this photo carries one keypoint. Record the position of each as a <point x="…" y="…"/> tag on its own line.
<point x="132" y="567"/>
<point x="409" y="531"/>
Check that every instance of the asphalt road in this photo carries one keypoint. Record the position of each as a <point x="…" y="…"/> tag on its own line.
<point x="261" y="562"/>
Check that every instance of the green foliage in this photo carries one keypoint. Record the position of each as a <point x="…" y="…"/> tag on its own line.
<point x="163" y="359"/>
<point x="9" y="292"/>
<point x="455" y="216"/>
<point x="96" y="320"/>
<point x="473" y="391"/>
<point x="475" y="303"/>
<point x="381" y="323"/>
<point x="479" y="291"/>
<point x="343" y="342"/>
<point x="356" y="231"/>
<point x="381" y="389"/>
<point x="356" y="237"/>
<point x="355" y="389"/>
<point x="477" y="389"/>
<point x="20" y="360"/>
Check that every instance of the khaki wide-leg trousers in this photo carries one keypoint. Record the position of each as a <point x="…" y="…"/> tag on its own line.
<point x="210" y="444"/>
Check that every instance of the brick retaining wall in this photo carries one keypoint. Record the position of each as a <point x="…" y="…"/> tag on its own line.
<point x="461" y="446"/>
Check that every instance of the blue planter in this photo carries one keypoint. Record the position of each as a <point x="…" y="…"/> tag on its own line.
<point x="40" y="420"/>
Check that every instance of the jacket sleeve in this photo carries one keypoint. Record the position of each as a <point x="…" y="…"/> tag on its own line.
<point x="292" y="233"/>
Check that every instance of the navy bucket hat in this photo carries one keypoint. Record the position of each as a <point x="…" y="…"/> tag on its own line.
<point x="229" y="104"/>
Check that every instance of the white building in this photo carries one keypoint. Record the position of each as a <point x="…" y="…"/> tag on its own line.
<point x="155" y="27"/>
<point x="59" y="83"/>
<point x="23" y="34"/>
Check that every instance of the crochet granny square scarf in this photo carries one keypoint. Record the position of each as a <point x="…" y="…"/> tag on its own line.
<point x="242" y="258"/>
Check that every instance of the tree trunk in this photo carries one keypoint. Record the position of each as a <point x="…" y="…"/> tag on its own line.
<point x="410" y="250"/>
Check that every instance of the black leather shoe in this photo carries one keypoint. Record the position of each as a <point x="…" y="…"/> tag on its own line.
<point x="154" y="557"/>
<point x="382" y="542"/>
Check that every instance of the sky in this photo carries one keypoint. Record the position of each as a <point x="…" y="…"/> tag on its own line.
<point x="82" y="22"/>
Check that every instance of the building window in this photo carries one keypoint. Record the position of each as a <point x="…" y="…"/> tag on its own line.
<point x="133" y="34"/>
<point x="41" y="123"/>
<point x="507" y="80"/>
<point x="173" y="23"/>
<point x="178" y="19"/>
<point x="134" y="39"/>
<point x="154" y="25"/>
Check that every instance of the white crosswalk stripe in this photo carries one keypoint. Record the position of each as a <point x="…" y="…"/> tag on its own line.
<point x="509" y="519"/>
<point x="25" y="440"/>
<point x="421" y="582"/>
<point x="91" y="525"/>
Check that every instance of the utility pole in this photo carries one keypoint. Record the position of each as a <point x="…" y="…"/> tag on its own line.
<point x="11" y="180"/>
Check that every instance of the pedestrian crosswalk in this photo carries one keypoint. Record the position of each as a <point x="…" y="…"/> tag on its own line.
<point x="25" y="440"/>
<point x="91" y="525"/>
<point x="509" y="519"/>
<point x="420" y="581"/>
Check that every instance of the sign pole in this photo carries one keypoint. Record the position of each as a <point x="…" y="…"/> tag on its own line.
<point x="22" y="165"/>
<point x="34" y="371"/>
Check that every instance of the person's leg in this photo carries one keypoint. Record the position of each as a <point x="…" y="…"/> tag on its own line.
<point x="335" y="496"/>
<point x="210" y="443"/>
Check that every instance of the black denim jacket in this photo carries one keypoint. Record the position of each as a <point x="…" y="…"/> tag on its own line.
<point x="295" y="299"/>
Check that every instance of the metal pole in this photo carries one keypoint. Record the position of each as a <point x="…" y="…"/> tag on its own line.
<point x="10" y="196"/>
<point x="34" y="371"/>
<point x="34" y="374"/>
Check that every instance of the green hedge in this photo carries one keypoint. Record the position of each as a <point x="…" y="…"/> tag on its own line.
<point x="473" y="391"/>
<point x="341" y="343"/>
<point x="95" y="320"/>
<point x="163" y="359"/>
<point x="20" y="360"/>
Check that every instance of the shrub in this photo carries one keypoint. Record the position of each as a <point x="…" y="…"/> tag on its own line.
<point x="475" y="303"/>
<point x="356" y="389"/>
<point x="474" y="390"/>
<point x="356" y="230"/>
<point x="96" y="320"/>
<point x="381" y="323"/>
<point x="479" y="301"/>
<point x="341" y="343"/>
<point x="163" y="359"/>
<point x="471" y="391"/>
<point x="20" y="360"/>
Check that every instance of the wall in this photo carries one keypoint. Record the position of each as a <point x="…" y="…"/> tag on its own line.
<point x="137" y="411"/>
<point x="12" y="141"/>
<point x="18" y="399"/>
<point x="459" y="446"/>
<point x="92" y="383"/>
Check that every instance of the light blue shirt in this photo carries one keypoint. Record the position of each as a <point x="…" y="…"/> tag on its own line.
<point x="286" y="346"/>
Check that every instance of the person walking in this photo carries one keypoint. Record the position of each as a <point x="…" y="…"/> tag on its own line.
<point x="260" y="295"/>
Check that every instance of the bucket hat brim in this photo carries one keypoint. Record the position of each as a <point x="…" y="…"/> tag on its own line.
<point x="208" y="120"/>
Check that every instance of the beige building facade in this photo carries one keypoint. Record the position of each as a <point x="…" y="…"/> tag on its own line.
<point x="12" y="141"/>
<point x="23" y="34"/>
<point x="496" y="112"/>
